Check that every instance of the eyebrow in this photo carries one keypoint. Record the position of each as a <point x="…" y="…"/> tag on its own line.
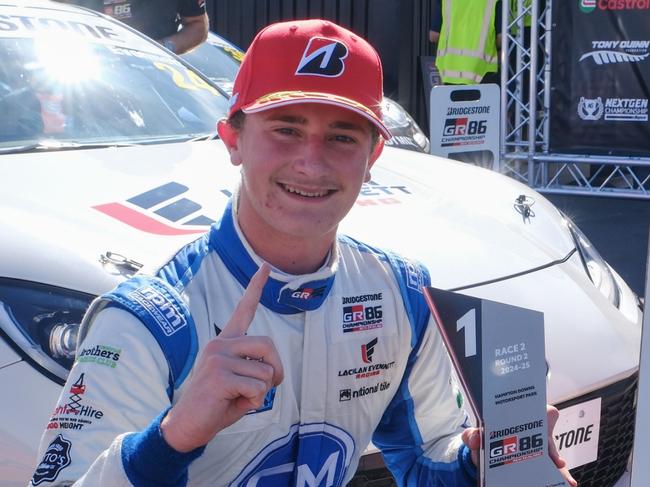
<point x="288" y="118"/>
<point x="339" y="124"/>
<point x="347" y="126"/>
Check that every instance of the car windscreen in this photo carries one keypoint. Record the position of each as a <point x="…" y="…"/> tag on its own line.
<point x="218" y="61"/>
<point x="61" y="83"/>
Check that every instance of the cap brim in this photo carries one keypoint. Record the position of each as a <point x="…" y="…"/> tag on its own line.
<point x="285" y="98"/>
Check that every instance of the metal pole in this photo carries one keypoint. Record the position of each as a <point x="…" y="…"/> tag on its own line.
<point x="547" y="74"/>
<point x="505" y="66"/>
<point x="621" y="161"/>
<point x="532" y="92"/>
<point x="519" y="71"/>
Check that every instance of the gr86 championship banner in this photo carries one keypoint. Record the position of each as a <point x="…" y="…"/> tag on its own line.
<point x="600" y="77"/>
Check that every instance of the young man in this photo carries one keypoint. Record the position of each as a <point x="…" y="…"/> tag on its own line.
<point x="235" y="364"/>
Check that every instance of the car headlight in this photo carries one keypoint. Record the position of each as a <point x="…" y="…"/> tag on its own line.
<point x="422" y="140"/>
<point x="394" y="115"/>
<point x="41" y="322"/>
<point x="400" y="122"/>
<point x="596" y="267"/>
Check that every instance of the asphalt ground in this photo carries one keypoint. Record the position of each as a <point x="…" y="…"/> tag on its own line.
<point x="618" y="228"/>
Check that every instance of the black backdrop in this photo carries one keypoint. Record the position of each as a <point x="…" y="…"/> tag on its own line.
<point x="600" y="76"/>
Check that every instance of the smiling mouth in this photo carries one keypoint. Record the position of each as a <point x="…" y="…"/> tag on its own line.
<point x="306" y="194"/>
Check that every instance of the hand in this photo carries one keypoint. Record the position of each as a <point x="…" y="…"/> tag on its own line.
<point x="472" y="438"/>
<point x="552" y="415"/>
<point x="231" y="377"/>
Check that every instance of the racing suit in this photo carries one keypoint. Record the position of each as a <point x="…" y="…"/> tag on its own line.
<point x="362" y="359"/>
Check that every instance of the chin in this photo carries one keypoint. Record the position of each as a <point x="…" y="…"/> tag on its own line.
<point x="309" y="227"/>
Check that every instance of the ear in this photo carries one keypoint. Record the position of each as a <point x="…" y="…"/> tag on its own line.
<point x="374" y="155"/>
<point x="230" y="137"/>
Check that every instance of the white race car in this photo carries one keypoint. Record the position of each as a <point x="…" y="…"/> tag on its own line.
<point x="108" y="163"/>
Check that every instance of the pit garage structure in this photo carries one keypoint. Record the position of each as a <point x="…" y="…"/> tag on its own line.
<point x="399" y="31"/>
<point x="526" y="138"/>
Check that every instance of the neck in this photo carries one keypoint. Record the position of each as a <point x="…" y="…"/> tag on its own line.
<point x="289" y="253"/>
<point x="293" y="256"/>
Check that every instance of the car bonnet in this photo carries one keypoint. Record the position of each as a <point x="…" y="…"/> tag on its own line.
<point x="144" y="202"/>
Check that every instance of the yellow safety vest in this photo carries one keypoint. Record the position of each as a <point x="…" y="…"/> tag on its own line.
<point x="467" y="46"/>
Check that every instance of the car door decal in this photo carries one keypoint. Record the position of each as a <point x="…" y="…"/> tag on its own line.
<point x="138" y="211"/>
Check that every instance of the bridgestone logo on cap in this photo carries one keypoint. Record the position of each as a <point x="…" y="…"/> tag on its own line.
<point x="323" y="57"/>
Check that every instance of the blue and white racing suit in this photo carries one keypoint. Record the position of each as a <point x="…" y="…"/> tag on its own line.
<point x="362" y="358"/>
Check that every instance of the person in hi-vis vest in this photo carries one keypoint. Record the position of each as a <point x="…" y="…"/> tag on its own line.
<point x="468" y="34"/>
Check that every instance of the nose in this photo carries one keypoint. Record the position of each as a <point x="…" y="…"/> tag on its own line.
<point x="312" y="159"/>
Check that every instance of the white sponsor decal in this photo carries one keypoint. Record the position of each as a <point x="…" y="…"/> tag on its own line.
<point x="577" y="431"/>
<point x="613" y="57"/>
<point x="615" y="52"/>
<point x="169" y="318"/>
<point x="614" y="109"/>
<point x="626" y="45"/>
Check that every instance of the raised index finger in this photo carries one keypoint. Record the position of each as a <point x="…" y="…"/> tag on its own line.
<point x="245" y="311"/>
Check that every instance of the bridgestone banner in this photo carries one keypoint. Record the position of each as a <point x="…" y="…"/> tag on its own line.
<point x="600" y="77"/>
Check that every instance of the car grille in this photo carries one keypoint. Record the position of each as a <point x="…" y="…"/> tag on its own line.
<point x="618" y="409"/>
<point x="617" y="414"/>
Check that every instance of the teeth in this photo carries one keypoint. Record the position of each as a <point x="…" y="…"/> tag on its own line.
<point x="305" y="193"/>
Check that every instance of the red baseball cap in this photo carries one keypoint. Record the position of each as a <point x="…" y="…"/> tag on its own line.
<point x="310" y="61"/>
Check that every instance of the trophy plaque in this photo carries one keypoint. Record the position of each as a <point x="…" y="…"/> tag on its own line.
<point x="498" y="353"/>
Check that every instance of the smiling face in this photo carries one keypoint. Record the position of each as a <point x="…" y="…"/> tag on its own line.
<point x="302" y="168"/>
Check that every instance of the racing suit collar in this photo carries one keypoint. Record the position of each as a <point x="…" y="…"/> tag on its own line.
<point x="283" y="293"/>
